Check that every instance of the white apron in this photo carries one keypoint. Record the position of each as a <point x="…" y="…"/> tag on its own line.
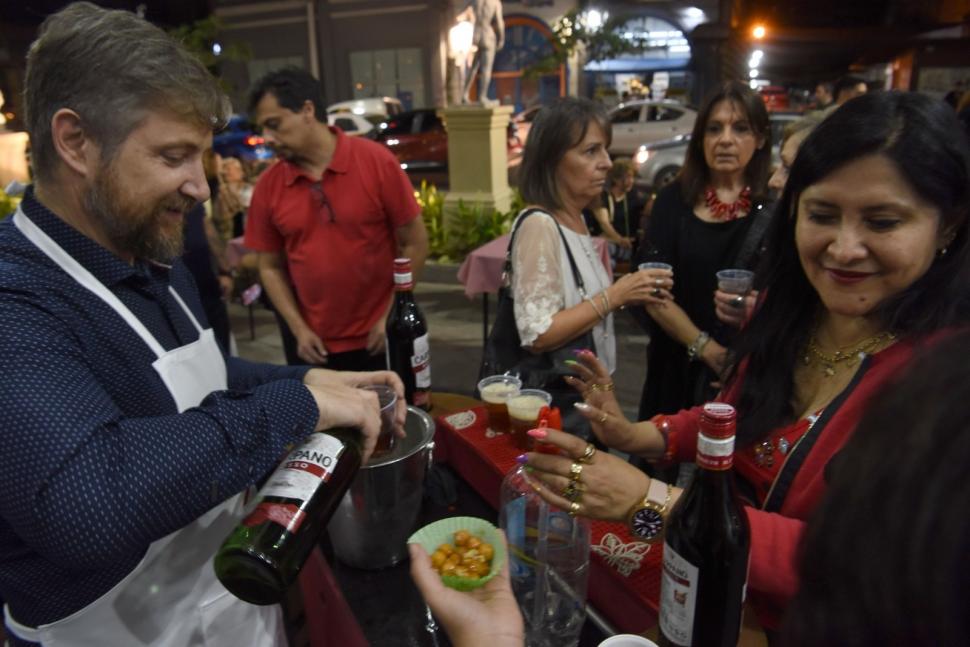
<point x="172" y="598"/>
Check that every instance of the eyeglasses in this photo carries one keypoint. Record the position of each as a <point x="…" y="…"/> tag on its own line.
<point x="321" y="200"/>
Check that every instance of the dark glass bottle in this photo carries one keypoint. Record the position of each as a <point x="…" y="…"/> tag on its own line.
<point x="705" y="560"/>
<point x="408" y="353"/>
<point x="261" y="558"/>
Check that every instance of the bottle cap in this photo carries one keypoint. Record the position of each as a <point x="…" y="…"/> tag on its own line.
<point x="402" y="265"/>
<point x="718" y="420"/>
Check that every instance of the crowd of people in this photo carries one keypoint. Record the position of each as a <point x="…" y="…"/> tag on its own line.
<point x="132" y="433"/>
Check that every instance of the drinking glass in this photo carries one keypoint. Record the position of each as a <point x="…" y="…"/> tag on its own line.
<point x="735" y="281"/>
<point x="495" y="390"/>
<point x="387" y="400"/>
<point x="524" y="411"/>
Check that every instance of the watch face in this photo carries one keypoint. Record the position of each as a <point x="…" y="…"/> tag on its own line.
<point x="647" y="523"/>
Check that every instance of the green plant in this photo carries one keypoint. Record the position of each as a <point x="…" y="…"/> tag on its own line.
<point x="432" y="204"/>
<point x="199" y="38"/>
<point x="598" y="43"/>
<point x="474" y="225"/>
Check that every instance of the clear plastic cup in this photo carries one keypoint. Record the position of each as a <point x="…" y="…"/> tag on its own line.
<point x="494" y="391"/>
<point x="655" y="266"/>
<point x="524" y="411"/>
<point x="735" y="281"/>
<point x="387" y="400"/>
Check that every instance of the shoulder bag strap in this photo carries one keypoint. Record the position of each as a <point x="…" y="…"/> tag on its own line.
<point x="793" y="462"/>
<point x="507" y="268"/>
<point x="761" y="218"/>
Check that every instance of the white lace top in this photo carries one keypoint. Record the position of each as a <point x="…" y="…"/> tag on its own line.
<point x="543" y="284"/>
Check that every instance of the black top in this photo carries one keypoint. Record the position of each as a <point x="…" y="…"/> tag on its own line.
<point x="697" y="250"/>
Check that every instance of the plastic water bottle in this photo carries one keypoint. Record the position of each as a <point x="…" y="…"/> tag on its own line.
<point x="548" y="563"/>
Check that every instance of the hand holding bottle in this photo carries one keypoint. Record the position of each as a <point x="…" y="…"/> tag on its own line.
<point x="488" y="616"/>
<point x="346" y="406"/>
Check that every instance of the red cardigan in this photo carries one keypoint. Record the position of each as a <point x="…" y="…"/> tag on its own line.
<point x="775" y="537"/>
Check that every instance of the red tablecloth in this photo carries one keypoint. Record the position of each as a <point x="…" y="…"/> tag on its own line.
<point x="624" y="578"/>
<point x="481" y="272"/>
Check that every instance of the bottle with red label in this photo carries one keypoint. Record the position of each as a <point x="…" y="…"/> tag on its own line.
<point x="408" y="352"/>
<point x="706" y="546"/>
<point x="261" y="558"/>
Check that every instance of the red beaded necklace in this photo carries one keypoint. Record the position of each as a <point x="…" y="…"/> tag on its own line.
<point x="722" y="211"/>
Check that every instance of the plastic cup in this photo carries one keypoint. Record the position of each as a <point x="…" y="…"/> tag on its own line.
<point x="495" y="391"/>
<point x="735" y="281"/>
<point x="524" y="411"/>
<point x="387" y="400"/>
<point x="655" y="266"/>
<point x="627" y="640"/>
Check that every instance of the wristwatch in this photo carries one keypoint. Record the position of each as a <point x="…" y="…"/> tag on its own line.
<point x="647" y="519"/>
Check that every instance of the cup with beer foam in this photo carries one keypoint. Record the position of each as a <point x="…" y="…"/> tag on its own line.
<point x="494" y="391"/>
<point x="524" y="411"/>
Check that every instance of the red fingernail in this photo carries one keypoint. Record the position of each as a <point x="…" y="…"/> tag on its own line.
<point x="538" y="433"/>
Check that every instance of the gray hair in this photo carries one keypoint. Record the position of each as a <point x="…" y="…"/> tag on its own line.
<point x="110" y="67"/>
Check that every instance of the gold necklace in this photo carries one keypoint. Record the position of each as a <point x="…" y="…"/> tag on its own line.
<point x="848" y="357"/>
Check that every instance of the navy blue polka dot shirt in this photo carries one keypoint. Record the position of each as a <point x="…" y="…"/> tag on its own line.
<point x="95" y="461"/>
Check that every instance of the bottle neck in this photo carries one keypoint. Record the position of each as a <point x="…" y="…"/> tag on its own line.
<point x="715" y="454"/>
<point x="403" y="282"/>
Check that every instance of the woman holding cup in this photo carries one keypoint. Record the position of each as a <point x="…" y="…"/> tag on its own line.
<point x="867" y="263"/>
<point x="712" y="217"/>
<point x="560" y="288"/>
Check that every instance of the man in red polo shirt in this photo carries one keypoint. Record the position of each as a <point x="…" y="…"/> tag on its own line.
<point x="328" y="219"/>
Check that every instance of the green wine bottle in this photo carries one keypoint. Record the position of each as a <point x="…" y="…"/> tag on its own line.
<point x="261" y="558"/>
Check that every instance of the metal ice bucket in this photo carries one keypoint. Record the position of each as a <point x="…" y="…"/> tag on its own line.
<point x="378" y="513"/>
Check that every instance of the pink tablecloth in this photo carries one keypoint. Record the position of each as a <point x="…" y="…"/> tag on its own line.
<point x="481" y="272"/>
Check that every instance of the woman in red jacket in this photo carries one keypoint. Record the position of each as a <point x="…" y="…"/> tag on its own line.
<point x="867" y="259"/>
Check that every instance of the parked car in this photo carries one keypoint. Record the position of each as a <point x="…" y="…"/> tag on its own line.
<point x="351" y="124"/>
<point x="658" y="163"/>
<point x="238" y="139"/>
<point x="638" y="122"/>
<point x="374" y="109"/>
<point x="417" y="138"/>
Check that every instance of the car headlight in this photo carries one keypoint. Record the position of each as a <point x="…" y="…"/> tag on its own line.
<point x="642" y="156"/>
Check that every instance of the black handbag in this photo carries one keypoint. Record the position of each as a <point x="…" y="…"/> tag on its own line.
<point x="504" y="354"/>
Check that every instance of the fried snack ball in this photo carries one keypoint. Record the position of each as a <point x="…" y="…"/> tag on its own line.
<point x="469" y="557"/>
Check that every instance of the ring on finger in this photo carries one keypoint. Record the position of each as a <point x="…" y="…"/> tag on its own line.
<point x="658" y="282"/>
<point x="609" y="386"/>
<point x="575" y="471"/>
<point x="575" y="508"/>
<point x="655" y="292"/>
<point x="603" y="418"/>
<point x="573" y="491"/>
<point x="587" y="454"/>
<point x="737" y="302"/>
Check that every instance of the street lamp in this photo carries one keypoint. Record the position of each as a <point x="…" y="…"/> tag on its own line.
<point x="759" y="32"/>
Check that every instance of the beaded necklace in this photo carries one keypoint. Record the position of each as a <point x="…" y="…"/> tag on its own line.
<point x="727" y="212"/>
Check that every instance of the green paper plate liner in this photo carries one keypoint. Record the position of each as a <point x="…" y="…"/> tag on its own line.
<point x="443" y="532"/>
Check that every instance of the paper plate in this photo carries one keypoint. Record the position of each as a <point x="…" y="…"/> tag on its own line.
<point x="443" y="532"/>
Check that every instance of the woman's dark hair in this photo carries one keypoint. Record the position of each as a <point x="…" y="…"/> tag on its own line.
<point x="696" y="176"/>
<point x="557" y="128"/>
<point x="884" y="559"/>
<point x="916" y="133"/>
<point x="292" y="87"/>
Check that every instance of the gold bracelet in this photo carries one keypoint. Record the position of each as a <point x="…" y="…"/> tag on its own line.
<point x="595" y="309"/>
<point x="606" y="301"/>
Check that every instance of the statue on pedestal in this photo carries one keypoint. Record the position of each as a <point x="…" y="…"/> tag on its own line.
<point x="488" y="37"/>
